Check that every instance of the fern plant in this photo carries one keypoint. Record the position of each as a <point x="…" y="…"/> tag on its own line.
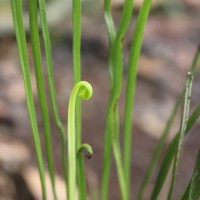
<point x="71" y="142"/>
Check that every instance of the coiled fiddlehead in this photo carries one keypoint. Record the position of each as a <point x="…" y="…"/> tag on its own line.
<point x="84" y="89"/>
<point x="86" y="149"/>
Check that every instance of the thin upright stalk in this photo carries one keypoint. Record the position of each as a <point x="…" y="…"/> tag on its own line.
<point x="22" y="49"/>
<point x="49" y="64"/>
<point x="84" y="89"/>
<point x="35" y="42"/>
<point x="77" y="77"/>
<point x="131" y="84"/>
<point x="108" y="142"/>
<point x="118" y="157"/>
<point x="115" y="75"/>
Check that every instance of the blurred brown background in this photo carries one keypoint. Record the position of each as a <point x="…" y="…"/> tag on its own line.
<point x="171" y="38"/>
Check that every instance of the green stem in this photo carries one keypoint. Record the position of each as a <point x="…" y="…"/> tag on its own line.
<point x="115" y="74"/>
<point x="85" y="91"/>
<point x="118" y="158"/>
<point x="76" y="40"/>
<point x="131" y="83"/>
<point x="77" y="77"/>
<point x="48" y="53"/>
<point x="22" y="49"/>
<point x="35" y="42"/>
<point x="108" y="142"/>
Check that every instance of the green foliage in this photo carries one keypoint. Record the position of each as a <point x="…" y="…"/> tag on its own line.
<point x="84" y="90"/>
<point x="35" y="42"/>
<point x="186" y="110"/>
<point x="73" y="168"/>
<point x="116" y="37"/>
<point x="193" y="190"/>
<point x="21" y="42"/>
<point x="49" y="65"/>
<point x="158" y="148"/>
<point x="172" y="148"/>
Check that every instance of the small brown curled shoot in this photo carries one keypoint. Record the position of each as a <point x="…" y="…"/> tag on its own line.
<point x="86" y="149"/>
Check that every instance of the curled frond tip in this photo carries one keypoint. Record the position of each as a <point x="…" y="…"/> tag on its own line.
<point x="86" y="149"/>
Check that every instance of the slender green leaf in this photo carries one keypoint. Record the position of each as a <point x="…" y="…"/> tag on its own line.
<point x="186" y="193"/>
<point x="35" y="42"/>
<point x="170" y="153"/>
<point x="159" y="146"/>
<point x="22" y="49"/>
<point x="115" y="75"/>
<point x="49" y="63"/>
<point x="77" y="77"/>
<point x="131" y="82"/>
<point x="193" y="190"/>
<point x="195" y="183"/>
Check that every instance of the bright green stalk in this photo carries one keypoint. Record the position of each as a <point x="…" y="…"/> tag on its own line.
<point x="182" y="131"/>
<point x="49" y="60"/>
<point x="116" y="73"/>
<point x="76" y="40"/>
<point x="108" y="143"/>
<point x="77" y="77"/>
<point x="131" y="83"/>
<point x="84" y="89"/>
<point x="35" y="42"/>
<point x="77" y="61"/>
<point x="21" y="42"/>
<point x="159" y="146"/>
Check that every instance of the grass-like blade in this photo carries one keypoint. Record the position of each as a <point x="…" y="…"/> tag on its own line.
<point x="186" y="194"/>
<point x="158" y="148"/>
<point x="49" y="64"/>
<point x="108" y="143"/>
<point x="193" y="190"/>
<point x="131" y="82"/>
<point x="35" y="43"/>
<point x="22" y="49"/>
<point x="170" y="153"/>
<point x="115" y="75"/>
<point x="77" y="77"/>
<point x="195" y="183"/>
<point x="183" y="128"/>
